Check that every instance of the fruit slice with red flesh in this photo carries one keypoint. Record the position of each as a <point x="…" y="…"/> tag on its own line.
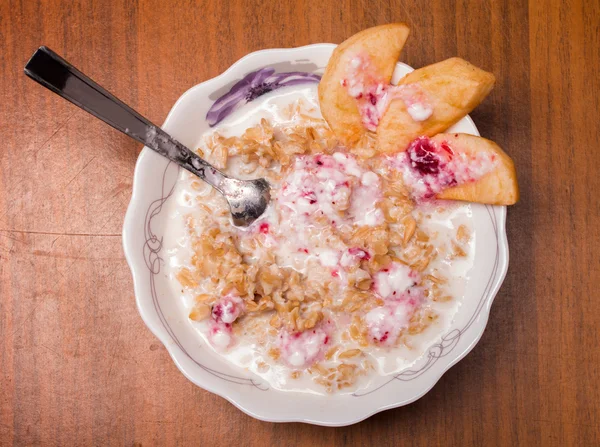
<point x="459" y="167"/>
<point x="451" y="89"/>
<point x="381" y="47"/>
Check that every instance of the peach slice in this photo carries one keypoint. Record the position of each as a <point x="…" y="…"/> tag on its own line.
<point x="458" y="167"/>
<point x="379" y="48"/>
<point x="430" y="100"/>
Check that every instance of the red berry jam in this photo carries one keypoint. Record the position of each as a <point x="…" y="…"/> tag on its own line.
<point x="424" y="157"/>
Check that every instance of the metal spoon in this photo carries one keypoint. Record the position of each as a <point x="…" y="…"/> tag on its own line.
<point x="247" y="199"/>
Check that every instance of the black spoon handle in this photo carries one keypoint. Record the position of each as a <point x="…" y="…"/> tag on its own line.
<point x="56" y="74"/>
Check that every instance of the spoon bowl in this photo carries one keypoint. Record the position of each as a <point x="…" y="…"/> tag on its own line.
<point x="248" y="199"/>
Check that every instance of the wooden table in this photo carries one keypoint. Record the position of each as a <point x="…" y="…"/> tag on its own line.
<point x="77" y="364"/>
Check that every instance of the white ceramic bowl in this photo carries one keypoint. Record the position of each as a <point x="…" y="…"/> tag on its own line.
<point x="143" y="230"/>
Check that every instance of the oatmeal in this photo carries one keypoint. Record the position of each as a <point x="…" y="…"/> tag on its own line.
<point x="346" y="277"/>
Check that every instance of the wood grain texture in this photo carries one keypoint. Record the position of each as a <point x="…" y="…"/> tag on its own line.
<point x="78" y="366"/>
